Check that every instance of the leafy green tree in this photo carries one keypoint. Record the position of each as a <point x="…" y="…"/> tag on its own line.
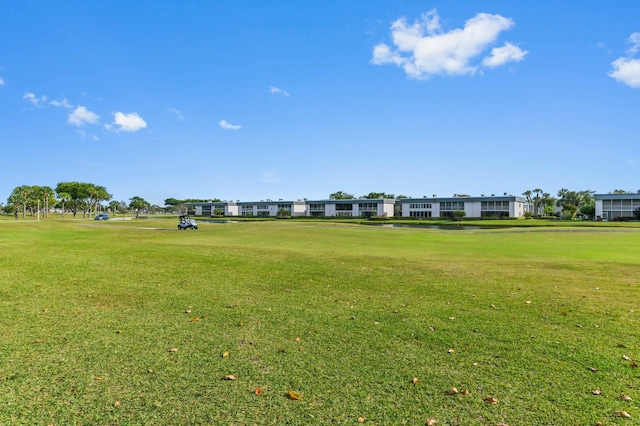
<point x="284" y="213"/>
<point x="458" y="215"/>
<point x="636" y="213"/>
<point x="378" y="195"/>
<point x="20" y="197"/>
<point x="589" y="211"/>
<point x="572" y="201"/>
<point x="619" y="191"/>
<point x="138" y="204"/>
<point x="113" y="205"/>
<point x="83" y="196"/>
<point x="569" y="211"/>
<point x="341" y="195"/>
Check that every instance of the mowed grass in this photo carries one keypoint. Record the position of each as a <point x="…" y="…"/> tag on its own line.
<point x="343" y="315"/>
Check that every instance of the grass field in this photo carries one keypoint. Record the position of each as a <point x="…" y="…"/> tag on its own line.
<point x="134" y="322"/>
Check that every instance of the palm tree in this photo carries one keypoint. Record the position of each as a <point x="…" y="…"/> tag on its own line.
<point x="527" y="195"/>
<point x="64" y="197"/>
<point x="114" y="207"/>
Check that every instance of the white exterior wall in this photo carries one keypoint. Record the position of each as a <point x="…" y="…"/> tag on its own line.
<point x="472" y="208"/>
<point x="516" y="209"/>
<point x="231" y="210"/>
<point x="386" y="208"/>
<point x="599" y="208"/>
<point x="198" y="210"/>
<point x="299" y="209"/>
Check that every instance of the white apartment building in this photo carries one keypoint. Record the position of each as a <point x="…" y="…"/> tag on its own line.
<point x="612" y="206"/>
<point x="505" y="206"/>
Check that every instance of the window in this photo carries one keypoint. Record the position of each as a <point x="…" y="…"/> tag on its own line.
<point x="420" y="214"/>
<point x="343" y="207"/>
<point x="420" y="205"/>
<point x="451" y="205"/>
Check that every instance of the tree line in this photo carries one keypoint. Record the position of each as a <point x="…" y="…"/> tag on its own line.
<point x="73" y="197"/>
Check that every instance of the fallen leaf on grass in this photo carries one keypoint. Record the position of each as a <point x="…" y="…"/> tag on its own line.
<point x="361" y="419"/>
<point x="295" y="396"/>
<point x="464" y="392"/>
<point x="453" y="391"/>
<point x="491" y="400"/>
<point x="226" y="354"/>
<point x="596" y="392"/>
<point x="622" y="414"/>
<point x="431" y="422"/>
<point x="626" y="358"/>
<point x="116" y="404"/>
<point x="258" y="391"/>
<point x="230" y="377"/>
<point x="45" y="310"/>
<point x="194" y="319"/>
<point x="593" y="370"/>
<point x="414" y="380"/>
<point x="634" y="364"/>
<point x="297" y="339"/>
<point x="99" y="378"/>
<point x="173" y="350"/>
<point x="188" y="311"/>
<point x="119" y="331"/>
<point x="626" y="397"/>
<point x="38" y="341"/>
<point x="452" y="351"/>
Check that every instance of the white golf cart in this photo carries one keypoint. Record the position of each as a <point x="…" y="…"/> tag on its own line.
<point x="186" y="223"/>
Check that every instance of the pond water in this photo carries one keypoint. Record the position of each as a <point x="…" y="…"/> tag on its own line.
<point x="442" y="227"/>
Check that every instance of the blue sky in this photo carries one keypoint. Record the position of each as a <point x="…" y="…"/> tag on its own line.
<point x="250" y="100"/>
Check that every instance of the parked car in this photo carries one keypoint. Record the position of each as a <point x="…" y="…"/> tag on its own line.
<point x="101" y="217"/>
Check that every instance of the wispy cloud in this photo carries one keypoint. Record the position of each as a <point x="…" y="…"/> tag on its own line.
<point x="627" y="69"/>
<point x="278" y="91"/>
<point x="423" y="49"/>
<point x="34" y="100"/>
<point x="61" y="104"/>
<point x="228" y="126"/>
<point x="84" y="135"/>
<point x="177" y="113"/>
<point x="81" y="116"/>
<point x="1" y="81"/>
<point x="130" y="122"/>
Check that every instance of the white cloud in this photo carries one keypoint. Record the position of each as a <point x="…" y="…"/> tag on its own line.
<point x="61" y="104"/>
<point x="634" y="39"/>
<point x="34" y="99"/>
<point x="626" y="70"/>
<point x="130" y="122"/>
<point x="502" y="55"/>
<point x="278" y="91"/>
<point x="177" y="113"/>
<point x="422" y="49"/>
<point x="228" y="126"/>
<point x="1" y="81"/>
<point x="81" y="116"/>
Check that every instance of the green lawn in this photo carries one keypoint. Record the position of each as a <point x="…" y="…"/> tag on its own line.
<point x="344" y="315"/>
